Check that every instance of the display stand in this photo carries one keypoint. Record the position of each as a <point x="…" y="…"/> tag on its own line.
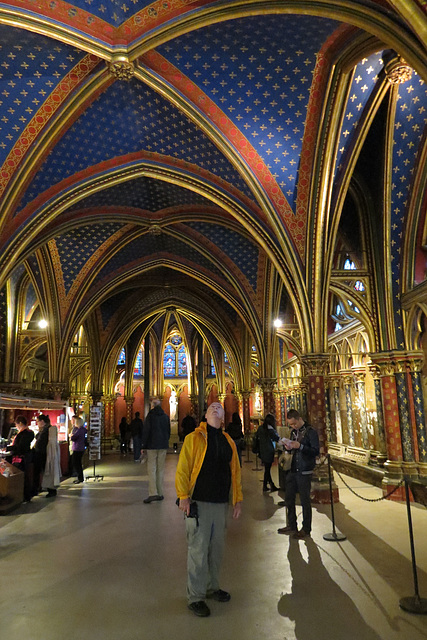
<point x="95" y="433"/>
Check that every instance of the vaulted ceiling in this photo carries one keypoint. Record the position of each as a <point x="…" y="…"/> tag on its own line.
<point x="201" y="149"/>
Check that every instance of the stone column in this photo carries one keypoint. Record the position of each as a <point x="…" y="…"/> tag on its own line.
<point x="375" y="372"/>
<point x="268" y="386"/>
<point x="246" y="395"/>
<point x="316" y="368"/>
<point x="359" y="374"/>
<point x="109" y="426"/>
<point x="348" y="380"/>
<point x="329" y="431"/>
<point x="129" y="407"/>
<point x="417" y="394"/>
<point x="336" y="379"/>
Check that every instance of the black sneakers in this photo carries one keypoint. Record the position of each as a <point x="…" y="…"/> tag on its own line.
<point x="219" y="595"/>
<point x="200" y="609"/>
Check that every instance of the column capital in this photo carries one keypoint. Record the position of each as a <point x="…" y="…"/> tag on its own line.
<point x="391" y="362"/>
<point x="95" y="397"/>
<point x="315" y="364"/>
<point x="267" y="384"/>
<point x="246" y="393"/>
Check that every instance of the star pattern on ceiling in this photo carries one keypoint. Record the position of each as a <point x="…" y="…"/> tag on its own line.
<point x="129" y="118"/>
<point x="261" y="84"/>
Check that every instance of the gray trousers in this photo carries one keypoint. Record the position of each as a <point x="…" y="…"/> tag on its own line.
<point x="156" y="469"/>
<point x="205" y="549"/>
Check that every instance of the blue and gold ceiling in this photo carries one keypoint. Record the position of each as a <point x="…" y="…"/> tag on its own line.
<point x="228" y="127"/>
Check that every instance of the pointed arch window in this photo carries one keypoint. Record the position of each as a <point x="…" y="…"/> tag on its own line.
<point x="122" y="357"/>
<point x="175" y="358"/>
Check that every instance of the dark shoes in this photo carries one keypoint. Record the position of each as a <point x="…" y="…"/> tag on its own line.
<point x="274" y="488"/>
<point x="199" y="608"/>
<point x="153" y="499"/>
<point x="287" y="531"/>
<point x="301" y="534"/>
<point x="219" y="595"/>
<point x="77" y="481"/>
<point x="51" y="493"/>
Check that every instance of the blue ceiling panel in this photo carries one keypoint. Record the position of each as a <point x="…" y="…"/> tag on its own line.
<point x="235" y="246"/>
<point x="31" y="67"/>
<point x="148" y="194"/>
<point x="364" y="80"/>
<point x="110" y="306"/>
<point x="258" y="70"/>
<point x="150" y="245"/>
<point x="76" y="247"/>
<point x="409" y="128"/>
<point x="127" y="118"/>
<point x="115" y="12"/>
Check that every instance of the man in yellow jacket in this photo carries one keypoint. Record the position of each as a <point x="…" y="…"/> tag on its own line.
<point x="207" y="479"/>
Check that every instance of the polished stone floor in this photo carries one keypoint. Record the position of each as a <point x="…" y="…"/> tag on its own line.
<point x="96" y="563"/>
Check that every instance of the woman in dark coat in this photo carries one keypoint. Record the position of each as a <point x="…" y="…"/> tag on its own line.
<point x="267" y="436"/>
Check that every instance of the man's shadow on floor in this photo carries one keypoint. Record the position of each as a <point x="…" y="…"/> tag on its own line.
<point x="319" y="607"/>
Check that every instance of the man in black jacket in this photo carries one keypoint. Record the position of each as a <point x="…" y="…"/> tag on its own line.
<point x="155" y="438"/>
<point x="303" y="445"/>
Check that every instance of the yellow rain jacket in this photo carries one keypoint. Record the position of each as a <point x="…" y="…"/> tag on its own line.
<point x="191" y="459"/>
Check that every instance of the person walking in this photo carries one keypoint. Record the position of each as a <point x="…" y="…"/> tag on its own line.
<point x="267" y="436"/>
<point x="303" y="445"/>
<point x="136" y="427"/>
<point x="155" y="440"/>
<point x="208" y="474"/>
<point x="78" y="440"/>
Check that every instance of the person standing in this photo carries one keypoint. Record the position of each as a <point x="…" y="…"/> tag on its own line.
<point x="208" y="474"/>
<point x="22" y="454"/>
<point x="78" y="439"/>
<point x="155" y="439"/>
<point x="136" y="427"/>
<point x="46" y="457"/>
<point x="267" y="435"/>
<point x="124" y="435"/>
<point x="188" y="425"/>
<point x="303" y="445"/>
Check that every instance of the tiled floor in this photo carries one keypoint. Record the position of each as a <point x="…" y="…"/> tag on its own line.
<point x="96" y="563"/>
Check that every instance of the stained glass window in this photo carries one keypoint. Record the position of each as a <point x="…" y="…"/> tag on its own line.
<point x="169" y="357"/>
<point x="138" y="364"/>
<point x="349" y="264"/>
<point x="182" y="361"/>
<point x="213" y="372"/>
<point x="122" y="357"/>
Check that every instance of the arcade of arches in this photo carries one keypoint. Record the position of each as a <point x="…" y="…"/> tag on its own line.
<point x="219" y="200"/>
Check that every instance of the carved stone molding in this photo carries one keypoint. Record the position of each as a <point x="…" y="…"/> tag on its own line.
<point x="398" y="71"/>
<point x="267" y="384"/>
<point x="390" y="362"/>
<point x="315" y="364"/>
<point x="121" y="68"/>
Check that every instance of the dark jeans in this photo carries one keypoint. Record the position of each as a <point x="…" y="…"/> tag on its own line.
<point x="267" y="474"/>
<point x="77" y="464"/>
<point x="298" y="483"/>
<point x="136" y="447"/>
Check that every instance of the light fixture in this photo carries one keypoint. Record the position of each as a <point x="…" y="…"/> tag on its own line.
<point x="277" y="323"/>
<point x="42" y="324"/>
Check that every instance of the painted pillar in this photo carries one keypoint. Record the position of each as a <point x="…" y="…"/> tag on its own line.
<point x="381" y="440"/>
<point x="268" y="386"/>
<point x="336" y="381"/>
<point x="329" y="431"/>
<point x="129" y="408"/>
<point x="109" y="426"/>
<point x="359" y="374"/>
<point x="246" y="395"/>
<point x="316" y="368"/>
<point x="417" y="393"/>
<point x="348" y="379"/>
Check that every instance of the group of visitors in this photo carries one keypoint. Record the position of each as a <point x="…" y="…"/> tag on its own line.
<point x="38" y="456"/>
<point x="208" y="477"/>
